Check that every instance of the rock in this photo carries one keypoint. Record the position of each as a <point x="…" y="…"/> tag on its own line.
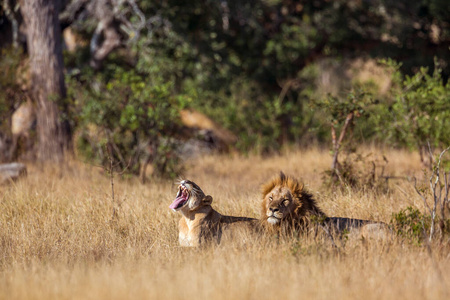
<point x="222" y="137"/>
<point x="12" y="171"/>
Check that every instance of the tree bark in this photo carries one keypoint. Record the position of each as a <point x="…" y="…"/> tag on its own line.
<point x="47" y="78"/>
<point x="106" y="37"/>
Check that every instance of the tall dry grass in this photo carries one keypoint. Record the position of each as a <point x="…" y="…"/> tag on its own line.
<point x="59" y="239"/>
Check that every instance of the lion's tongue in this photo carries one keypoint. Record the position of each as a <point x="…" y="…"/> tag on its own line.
<point x="178" y="202"/>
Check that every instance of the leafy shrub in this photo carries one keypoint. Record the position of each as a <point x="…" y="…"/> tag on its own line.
<point x="126" y="118"/>
<point x="342" y="114"/>
<point x="417" y="110"/>
<point x="262" y="122"/>
<point x="410" y="224"/>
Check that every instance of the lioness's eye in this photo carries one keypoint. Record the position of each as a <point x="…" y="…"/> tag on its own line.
<point x="286" y="202"/>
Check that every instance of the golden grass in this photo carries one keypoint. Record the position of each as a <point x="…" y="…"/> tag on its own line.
<point x="58" y="239"/>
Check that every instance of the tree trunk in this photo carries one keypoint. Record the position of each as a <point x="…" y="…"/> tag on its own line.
<point x="47" y="78"/>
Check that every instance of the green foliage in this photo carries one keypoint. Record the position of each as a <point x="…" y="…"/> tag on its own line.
<point x="341" y="114"/>
<point x="294" y="42"/>
<point x="249" y="66"/>
<point x="261" y="122"/>
<point x="237" y="70"/>
<point x="417" y="110"/>
<point x="410" y="224"/>
<point x="338" y="108"/>
<point x="235" y="58"/>
<point x="126" y="114"/>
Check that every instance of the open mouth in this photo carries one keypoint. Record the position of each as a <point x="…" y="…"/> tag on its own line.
<point x="181" y="198"/>
<point x="273" y="220"/>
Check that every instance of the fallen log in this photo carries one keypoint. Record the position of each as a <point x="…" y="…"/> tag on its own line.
<point x="12" y="171"/>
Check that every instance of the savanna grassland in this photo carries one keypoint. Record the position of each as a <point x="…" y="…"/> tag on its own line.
<point x="60" y="239"/>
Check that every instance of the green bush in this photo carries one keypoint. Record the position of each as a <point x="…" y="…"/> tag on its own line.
<point x="121" y="116"/>
<point x="416" y="111"/>
<point x="262" y="122"/>
<point x="410" y="224"/>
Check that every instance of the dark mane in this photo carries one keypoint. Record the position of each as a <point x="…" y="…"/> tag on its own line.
<point x="305" y="203"/>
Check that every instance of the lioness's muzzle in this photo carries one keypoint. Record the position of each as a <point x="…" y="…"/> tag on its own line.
<point x="181" y="198"/>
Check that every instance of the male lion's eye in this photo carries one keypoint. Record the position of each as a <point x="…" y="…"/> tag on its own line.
<point x="286" y="202"/>
<point x="270" y="199"/>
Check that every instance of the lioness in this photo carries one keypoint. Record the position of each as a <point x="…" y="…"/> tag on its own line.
<point x="286" y="204"/>
<point x="200" y="223"/>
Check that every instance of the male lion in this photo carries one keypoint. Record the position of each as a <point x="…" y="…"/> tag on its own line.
<point x="200" y="223"/>
<point x="286" y="204"/>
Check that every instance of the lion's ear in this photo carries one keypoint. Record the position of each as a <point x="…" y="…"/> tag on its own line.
<point x="207" y="200"/>
<point x="282" y="176"/>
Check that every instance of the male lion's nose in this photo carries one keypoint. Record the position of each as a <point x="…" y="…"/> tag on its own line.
<point x="273" y="209"/>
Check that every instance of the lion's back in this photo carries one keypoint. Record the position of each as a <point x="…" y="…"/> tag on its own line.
<point x="238" y="229"/>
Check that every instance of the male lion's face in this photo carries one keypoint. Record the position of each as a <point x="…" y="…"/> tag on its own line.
<point x="278" y="204"/>
<point x="189" y="197"/>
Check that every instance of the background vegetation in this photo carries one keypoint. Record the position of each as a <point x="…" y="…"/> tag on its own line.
<point x="258" y="68"/>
